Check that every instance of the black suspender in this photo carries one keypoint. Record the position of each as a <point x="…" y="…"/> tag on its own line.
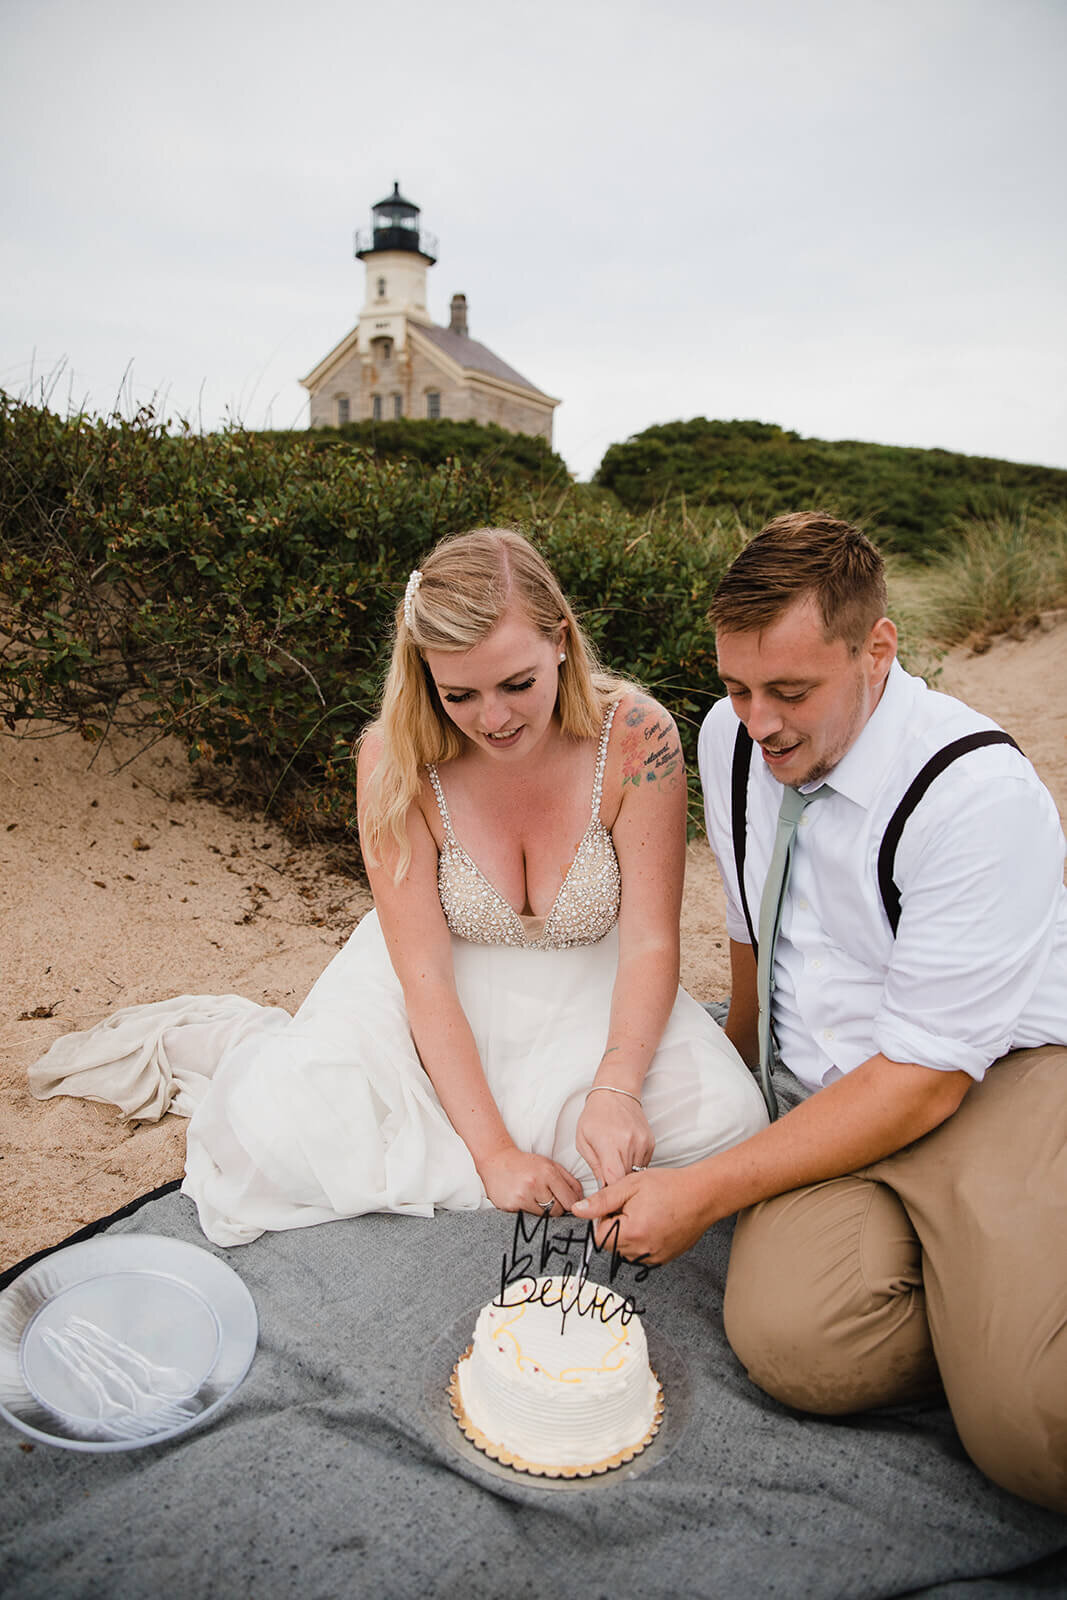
<point x="912" y="795"/>
<point x="888" y="850"/>
<point x="739" y="818"/>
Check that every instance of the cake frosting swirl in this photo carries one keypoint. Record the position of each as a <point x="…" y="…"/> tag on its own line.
<point x="557" y="1378"/>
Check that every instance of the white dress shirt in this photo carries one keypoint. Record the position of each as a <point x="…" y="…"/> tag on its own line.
<point x="979" y="963"/>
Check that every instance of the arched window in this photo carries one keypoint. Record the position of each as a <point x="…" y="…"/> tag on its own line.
<point x="433" y="403"/>
<point x="381" y="288"/>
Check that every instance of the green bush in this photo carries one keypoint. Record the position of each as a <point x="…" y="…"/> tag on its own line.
<point x="230" y="589"/>
<point x="511" y="458"/>
<point x="910" y="499"/>
<point x="238" y="589"/>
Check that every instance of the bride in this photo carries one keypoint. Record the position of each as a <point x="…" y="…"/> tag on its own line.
<point x="506" y="1026"/>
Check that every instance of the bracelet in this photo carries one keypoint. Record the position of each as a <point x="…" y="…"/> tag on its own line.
<point x="609" y="1088"/>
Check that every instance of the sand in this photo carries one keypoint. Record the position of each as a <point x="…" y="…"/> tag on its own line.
<point x="122" y="886"/>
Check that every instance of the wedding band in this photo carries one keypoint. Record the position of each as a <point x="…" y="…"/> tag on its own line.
<point x="546" y="1205"/>
<point x="638" y="1169"/>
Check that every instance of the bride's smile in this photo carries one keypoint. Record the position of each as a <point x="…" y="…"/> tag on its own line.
<point x="502" y="694"/>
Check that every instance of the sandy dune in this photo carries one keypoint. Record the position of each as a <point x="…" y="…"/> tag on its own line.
<point x="117" y="888"/>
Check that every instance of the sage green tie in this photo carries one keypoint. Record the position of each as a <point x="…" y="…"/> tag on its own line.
<point x="770" y="918"/>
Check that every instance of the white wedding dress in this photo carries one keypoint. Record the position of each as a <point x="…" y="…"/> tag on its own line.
<point x="328" y="1114"/>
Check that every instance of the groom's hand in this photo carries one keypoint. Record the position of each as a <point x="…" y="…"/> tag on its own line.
<point x="658" y="1212"/>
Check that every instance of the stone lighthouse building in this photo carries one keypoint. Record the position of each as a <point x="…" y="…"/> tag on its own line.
<point x="397" y="362"/>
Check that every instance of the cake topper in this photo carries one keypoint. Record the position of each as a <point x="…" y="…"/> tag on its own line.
<point x="534" y="1247"/>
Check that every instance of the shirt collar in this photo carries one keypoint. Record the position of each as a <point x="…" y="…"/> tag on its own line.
<point x="859" y="774"/>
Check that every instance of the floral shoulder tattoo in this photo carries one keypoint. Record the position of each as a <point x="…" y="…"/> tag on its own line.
<point x="651" y="752"/>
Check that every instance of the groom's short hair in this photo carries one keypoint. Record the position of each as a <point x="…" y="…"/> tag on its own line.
<point x="800" y="554"/>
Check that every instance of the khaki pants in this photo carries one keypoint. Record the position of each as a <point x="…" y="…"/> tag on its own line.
<point x="943" y="1264"/>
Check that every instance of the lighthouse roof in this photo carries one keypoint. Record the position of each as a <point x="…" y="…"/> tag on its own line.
<point x="469" y="353"/>
<point x="395" y="199"/>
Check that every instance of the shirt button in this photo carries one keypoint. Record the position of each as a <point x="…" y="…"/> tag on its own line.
<point x="802" y="904"/>
<point x="816" y="964"/>
<point x="828" y="1033"/>
<point x="804" y="820"/>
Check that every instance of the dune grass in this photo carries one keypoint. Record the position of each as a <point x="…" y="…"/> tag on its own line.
<point x="1000" y="572"/>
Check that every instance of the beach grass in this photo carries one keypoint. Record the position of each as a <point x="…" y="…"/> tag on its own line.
<point x="1001" y="572"/>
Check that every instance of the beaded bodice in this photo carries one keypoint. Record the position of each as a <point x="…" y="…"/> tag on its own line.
<point x="584" y="910"/>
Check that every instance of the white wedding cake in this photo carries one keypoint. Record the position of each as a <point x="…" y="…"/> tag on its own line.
<point x="557" y="1379"/>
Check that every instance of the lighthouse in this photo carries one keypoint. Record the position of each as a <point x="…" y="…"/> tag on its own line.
<point x="396" y="254"/>
<point x="397" y="362"/>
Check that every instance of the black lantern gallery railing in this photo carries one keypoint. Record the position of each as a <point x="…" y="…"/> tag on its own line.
<point x="397" y="236"/>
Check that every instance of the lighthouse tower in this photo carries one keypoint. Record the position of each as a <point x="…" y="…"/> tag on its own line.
<point x="396" y="253"/>
<point x="397" y="362"/>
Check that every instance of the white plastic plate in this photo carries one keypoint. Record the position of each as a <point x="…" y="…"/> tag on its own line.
<point x="122" y="1341"/>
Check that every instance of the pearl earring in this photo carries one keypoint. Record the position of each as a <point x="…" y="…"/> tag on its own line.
<point x="562" y="657"/>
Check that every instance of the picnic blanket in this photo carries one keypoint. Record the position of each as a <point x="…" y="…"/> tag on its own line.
<point x="331" y="1471"/>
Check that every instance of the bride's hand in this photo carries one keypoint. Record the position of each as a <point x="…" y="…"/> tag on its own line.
<point x="515" y="1180"/>
<point x="614" y="1137"/>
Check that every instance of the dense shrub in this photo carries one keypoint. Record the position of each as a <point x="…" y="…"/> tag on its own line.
<point x="238" y="589"/>
<point x="230" y="589"/>
<point x="512" y="458"/>
<point x="910" y="499"/>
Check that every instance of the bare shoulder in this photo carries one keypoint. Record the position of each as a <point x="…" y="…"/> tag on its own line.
<point x="649" y="751"/>
<point x="423" y="806"/>
<point x="369" y="753"/>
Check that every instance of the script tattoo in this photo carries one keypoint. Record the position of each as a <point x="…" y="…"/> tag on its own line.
<point x="531" y="1256"/>
<point x="651" y="752"/>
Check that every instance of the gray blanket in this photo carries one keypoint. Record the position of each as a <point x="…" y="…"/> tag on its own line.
<point x="332" y="1471"/>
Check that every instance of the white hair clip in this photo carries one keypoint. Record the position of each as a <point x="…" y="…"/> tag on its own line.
<point x="409" y="597"/>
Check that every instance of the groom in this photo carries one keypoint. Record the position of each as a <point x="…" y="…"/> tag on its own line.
<point x="905" y="1225"/>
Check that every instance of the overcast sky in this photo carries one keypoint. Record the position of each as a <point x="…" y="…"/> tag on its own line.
<point x="844" y="216"/>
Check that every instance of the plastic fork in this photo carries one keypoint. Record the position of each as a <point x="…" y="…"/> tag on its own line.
<point x="120" y="1404"/>
<point x="170" y="1383"/>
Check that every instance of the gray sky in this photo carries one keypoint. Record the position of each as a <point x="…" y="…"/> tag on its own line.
<point x="844" y="216"/>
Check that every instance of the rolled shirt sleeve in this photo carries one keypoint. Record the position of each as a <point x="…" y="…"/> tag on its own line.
<point x="980" y="871"/>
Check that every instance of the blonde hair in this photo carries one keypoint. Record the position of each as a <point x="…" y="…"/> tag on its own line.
<point x="468" y="582"/>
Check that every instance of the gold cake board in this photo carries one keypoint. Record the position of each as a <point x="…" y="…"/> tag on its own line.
<point x="539" y="1469"/>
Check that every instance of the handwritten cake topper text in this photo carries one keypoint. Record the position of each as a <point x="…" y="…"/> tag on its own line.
<point x="528" y="1258"/>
